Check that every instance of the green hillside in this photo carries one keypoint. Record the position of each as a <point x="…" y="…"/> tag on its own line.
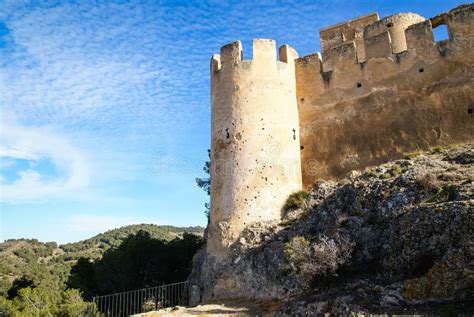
<point x="94" y="247"/>
<point x="50" y="264"/>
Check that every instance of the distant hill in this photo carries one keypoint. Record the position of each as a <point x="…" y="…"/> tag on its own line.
<point x="50" y="263"/>
<point x="94" y="247"/>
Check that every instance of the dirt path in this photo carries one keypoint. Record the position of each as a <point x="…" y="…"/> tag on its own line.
<point x="231" y="309"/>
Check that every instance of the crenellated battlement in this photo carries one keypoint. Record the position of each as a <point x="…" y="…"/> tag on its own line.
<point x="264" y="54"/>
<point x="344" y="32"/>
<point x="367" y="42"/>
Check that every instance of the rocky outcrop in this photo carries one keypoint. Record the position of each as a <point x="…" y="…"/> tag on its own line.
<point x="394" y="238"/>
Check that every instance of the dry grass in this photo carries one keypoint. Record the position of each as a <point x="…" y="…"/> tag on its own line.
<point x="296" y="200"/>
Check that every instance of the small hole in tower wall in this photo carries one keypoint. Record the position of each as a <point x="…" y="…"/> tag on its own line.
<point x="359" y="85"/>
<point x="421" y="70"/>
<point x="389" y="24"/>
<point x="469" y="111"/>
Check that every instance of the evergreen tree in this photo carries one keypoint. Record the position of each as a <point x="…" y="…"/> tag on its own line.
<point x="205" y="183"/>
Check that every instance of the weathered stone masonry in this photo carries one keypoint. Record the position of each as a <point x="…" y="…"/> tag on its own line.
<point x="382" y="88"/>
<point x="255" y="139"/>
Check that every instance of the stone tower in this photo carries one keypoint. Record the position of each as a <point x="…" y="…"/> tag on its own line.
<point x="255" y="146"/>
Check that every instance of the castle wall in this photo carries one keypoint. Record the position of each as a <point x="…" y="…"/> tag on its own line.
<point x="254" y="139"/>
<point x="411" y="93"/>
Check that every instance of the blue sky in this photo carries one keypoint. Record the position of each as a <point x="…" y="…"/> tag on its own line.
<point x="105" y="104"/>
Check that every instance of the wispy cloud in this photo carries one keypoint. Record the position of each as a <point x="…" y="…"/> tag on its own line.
<point x="32" y="144"/>
<point x="105" y="65"/>
<point x="128" y="66"/>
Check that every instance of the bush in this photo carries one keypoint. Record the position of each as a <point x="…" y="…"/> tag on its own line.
<point x="412" y="155"/>
<point x="320" y="258"/>
<point x="445" y="193"/>
<point x="395" y="170"/>
<point x="43" y="301"/>
<point x="72" y="304"/>
<point x="18" y="284"/>
<point x="427" y="181"/>
<point x="26" y="254"/>
<point x="372" y="172"/>
<point x="297" y="252"/>
<point x="296" y="200"/>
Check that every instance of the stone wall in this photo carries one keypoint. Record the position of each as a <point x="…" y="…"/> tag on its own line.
<point x="409" y="93"/>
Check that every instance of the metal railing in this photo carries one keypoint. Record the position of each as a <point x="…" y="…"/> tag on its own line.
<point x="140" y="301"/>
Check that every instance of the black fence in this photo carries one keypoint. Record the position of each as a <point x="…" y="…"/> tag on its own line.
<point x="141" y="301"/>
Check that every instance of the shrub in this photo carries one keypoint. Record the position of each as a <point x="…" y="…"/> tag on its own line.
<point x="322" y="257"/>
<point x="18" y="284"/>
<point x="372" y="172"/>
<point x="445" y="193"/>
<point x="297" y="252"/>
<point x="427" y="181"/>
<point x="396" y="170"/>
<point x="296" y="200"/>
<point x="412" y="155"/>
<point x="72" y="304"/>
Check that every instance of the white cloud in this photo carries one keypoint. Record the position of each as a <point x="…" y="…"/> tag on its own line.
<point x="24" y="154"/>
<point x="102" y="66"/>
<point x="33" y="143"/>
<point x="122" y="68"/>
<point x="83" y="223"/>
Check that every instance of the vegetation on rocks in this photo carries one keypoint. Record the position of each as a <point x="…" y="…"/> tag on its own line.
<point x="296" y="200"/>
<point x="318" y="258"/>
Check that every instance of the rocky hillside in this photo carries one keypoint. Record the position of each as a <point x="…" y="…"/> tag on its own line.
<point x="396" y="238"/>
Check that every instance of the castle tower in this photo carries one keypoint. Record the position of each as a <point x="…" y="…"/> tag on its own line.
<point x="255" y="146"/>
<point x="395" y="25"/>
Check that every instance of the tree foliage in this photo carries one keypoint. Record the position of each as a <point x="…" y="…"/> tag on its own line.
<point x="95" y="247"/>
<point x="42" y="301"/>
<point x="205" y="183"/>
<point x="44" y="279"/>
<point x="139" y="262"/>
